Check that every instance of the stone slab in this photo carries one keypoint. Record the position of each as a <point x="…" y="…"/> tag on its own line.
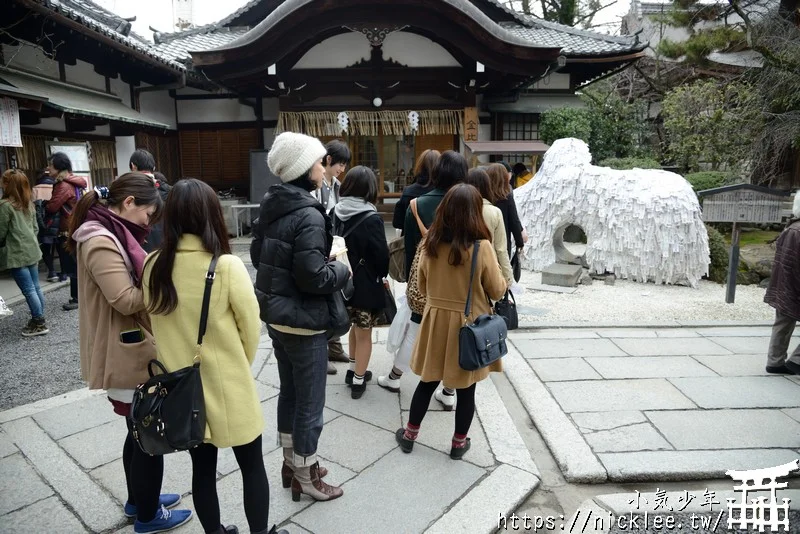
<point x="668" y="347"/>
<point x="638" y="437"/>
<point x="501" y="492"/>
<point x="177" y="476"/>
<point x="594" y="421"/>
<point x="573" y="455"/>
<point x="736" y="364"/>
<point x="662" y="466"/>
<point x="794" y="413"/>
<point x="727" y="429"/>
<point x="626" y="333"/>
<point x="743" y="345"/>
<point x="269" y="374"/>
<point x="437" y="433"/>
<point x="336" y="443"/>
<point x="735" y="331"/>
<point x="676" y="332"/>
<point x="27" y="410"/>
<point x="97" y="510"/>
<point x="649" y="367"/>
<point x="379" y="493"/>
<point x="77" y="416"/>
<point x="40" y="517"/>
<point x="582" y="520"/>
<point x="551" y="289"/>
<point x="616" y="395"/>
<point x="27" y="487"/>
<point x="7" y="447"/>
<point x="562" y="275"/>
<point x="566" y="348"/>
<point x="566" y="333"/>
<point x="504" y="439"/>
<point x="377" y="406"/>
<point x="564" y="369"/>
<point x="97" y="446"/>
<point x="740" y="392"/>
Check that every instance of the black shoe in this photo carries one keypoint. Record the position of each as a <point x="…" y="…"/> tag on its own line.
<point x="779" y="370"/>
<point x="331" y="369"/>
<point x="340" y="357"/>
<point x="406" y="445"/>
<point x="71" y="305"/>
<point x="793" y="367"/>
<point x="357" y="390"/>
<point x="458" y="453"/>
<point x="348" y="378"/>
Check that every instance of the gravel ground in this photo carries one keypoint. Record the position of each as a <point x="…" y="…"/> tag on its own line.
<point x="43" y="366"/>
<point x="631" y="302"/>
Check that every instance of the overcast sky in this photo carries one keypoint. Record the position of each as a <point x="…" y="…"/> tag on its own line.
<point x="159" y="13"/>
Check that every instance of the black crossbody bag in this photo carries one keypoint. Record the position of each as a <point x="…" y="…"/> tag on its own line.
<point x="168" y="413"/>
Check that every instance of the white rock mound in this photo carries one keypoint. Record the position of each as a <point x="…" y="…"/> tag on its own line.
<point x="640" y="224"/>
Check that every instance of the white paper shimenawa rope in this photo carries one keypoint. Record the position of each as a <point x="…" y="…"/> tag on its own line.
<point x="640" y="224"/>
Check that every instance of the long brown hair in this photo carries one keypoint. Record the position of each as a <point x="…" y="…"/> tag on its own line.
<point x="133" y="184"/>
<point x="426" y="162"/>
<point x="498" y="177"/>
<point x="17" y="190"/>
<point x="192" y="208"/>
<point x="458" y="221"/>
<point x="480" y="180"/>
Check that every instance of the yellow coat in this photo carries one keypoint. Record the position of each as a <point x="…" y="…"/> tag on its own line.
<point x="233" y="411"/>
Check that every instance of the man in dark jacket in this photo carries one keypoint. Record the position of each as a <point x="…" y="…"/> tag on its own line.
<point x="291" y="245"/>
<point x="783" y="294"/>
<point x="143" y="161"/>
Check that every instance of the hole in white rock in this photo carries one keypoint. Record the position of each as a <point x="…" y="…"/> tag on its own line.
<point x="569" y="242"/>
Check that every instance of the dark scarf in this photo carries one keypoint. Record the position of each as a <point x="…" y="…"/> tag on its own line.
<point x="130" y="235"/>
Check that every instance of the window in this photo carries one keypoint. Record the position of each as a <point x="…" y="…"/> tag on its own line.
<point x="515" y="127"/>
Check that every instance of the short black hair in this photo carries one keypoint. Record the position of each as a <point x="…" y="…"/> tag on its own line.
<point x="520" y="168"/>
<point x="452" y="169"/>
<point x="60" y="162"/>
<point x="144" y="160"/>
<point x="304" y="181"/>
<point x="338" y="151"/>
<point x="360" y="182"/>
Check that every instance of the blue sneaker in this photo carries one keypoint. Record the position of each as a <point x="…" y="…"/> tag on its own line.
<point x="168" y="500"/>
<point x="164" y="520"/>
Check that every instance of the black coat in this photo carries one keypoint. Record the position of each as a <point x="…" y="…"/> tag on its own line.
<point x="368" y="254"/>
<point x="409" y="193"/>
<point x="511" y="221"/>
<point x="156" y="235"/>
<point x="291" y="244"/>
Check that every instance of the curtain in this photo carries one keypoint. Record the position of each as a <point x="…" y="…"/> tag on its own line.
<point x="372" y="123"/>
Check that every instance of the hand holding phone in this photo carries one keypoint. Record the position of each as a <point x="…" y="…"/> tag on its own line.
<point x="131" y="336"/>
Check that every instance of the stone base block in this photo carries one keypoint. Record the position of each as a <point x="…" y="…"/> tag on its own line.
<point x="559" y="274"/>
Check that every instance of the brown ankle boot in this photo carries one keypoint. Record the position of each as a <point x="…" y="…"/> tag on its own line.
<point x="287" y="469"/>
<point x="307" y="481"/>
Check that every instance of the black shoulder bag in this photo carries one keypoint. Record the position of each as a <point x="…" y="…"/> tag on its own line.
<point x="168" y="412"/>
<point x="506" y="308"/>
<point x="482" y="342"/>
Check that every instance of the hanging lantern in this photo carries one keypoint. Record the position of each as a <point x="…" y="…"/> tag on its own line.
<point x="413" y="121"/>
<point x="344" y="121"/>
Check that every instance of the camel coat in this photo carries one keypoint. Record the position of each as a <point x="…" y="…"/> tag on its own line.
<point x="435" y="355"/>
<point x="493" y="218"/>
<point x="233" y="410"/>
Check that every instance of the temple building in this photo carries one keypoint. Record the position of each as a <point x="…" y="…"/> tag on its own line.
<point x="392" y="77"/>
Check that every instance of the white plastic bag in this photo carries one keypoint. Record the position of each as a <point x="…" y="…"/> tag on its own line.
<point x="5" y="310"/>
<point x="517" y="290"/>
<point x="399" y="327"/>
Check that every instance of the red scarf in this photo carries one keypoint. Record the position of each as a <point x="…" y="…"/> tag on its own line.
<point x="130" y="235"/>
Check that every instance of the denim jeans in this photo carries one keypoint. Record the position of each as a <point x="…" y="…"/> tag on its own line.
<point x="303" y="369"/>
<point x="27" y="279"/>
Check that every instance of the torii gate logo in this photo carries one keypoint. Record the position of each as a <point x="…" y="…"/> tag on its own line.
<point x="757" y="512"/>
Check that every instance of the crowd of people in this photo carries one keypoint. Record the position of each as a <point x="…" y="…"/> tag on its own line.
<point x="139" y="252"/>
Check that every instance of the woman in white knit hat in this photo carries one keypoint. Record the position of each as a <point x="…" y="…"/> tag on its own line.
<point x="291" y="246"/>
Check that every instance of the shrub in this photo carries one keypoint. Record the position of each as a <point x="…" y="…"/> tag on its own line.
<point x="565" y="122"/>
<point x="718" y="268"/>
<point x="707" y="180"/>
<point x="624" y="164"/>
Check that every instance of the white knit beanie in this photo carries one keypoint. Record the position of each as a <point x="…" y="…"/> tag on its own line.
<point x="292" y="154"/>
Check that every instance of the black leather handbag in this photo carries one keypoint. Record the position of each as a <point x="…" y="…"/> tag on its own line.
<point x="168" y="412"/>
<point x="482" y="342"/>
<point x="506" y="308"/>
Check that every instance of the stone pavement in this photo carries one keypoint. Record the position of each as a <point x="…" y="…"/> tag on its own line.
<point x="64" y="457"/>
<point x="656" y="404"/>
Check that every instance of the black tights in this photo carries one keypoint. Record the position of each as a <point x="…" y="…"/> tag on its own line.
<point x="143" y="474"/>
<point x="255" y="485"/>
<point x="465" y="407"/>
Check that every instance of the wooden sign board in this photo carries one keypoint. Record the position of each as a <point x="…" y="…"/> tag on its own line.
<point x="743" y="206"/>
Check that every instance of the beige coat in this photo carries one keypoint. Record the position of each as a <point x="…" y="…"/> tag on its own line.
<point x="233" y="410"/>
<point x="110" y="304"/>
<point x="494" y="221"/>
<point x="435" y="355"/>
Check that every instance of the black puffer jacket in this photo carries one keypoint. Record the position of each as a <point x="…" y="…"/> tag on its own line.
<point x="291" y="245"/>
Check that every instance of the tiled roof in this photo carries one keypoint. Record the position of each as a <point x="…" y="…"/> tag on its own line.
<point x="178" y="48"/>
<point x="572" y="40"/>
<point x="103" y="21"/>
<point x="208" y="28"/>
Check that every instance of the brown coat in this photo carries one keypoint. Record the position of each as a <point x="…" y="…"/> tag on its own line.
<point x="435" y="355"/>
<point x="110" y="304"/>
<point x="783" y="292"/>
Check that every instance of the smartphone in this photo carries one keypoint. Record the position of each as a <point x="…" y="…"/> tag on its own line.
<point x="131" y="336"/>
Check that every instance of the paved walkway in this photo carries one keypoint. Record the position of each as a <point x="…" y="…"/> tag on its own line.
<point x="645" y="404"/>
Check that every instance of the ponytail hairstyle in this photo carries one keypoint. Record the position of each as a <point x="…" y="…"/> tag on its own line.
<point x="192" y="208"/>
<point x="17" y="190"/>
<point x="133" y="184"/>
